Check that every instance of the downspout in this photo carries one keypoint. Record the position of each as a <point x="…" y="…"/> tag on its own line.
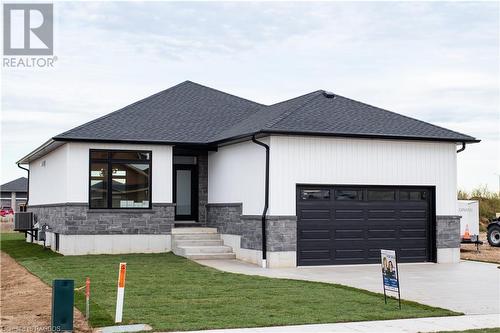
<point x="266" y="203"/>
<point x="461" y="149"/>
<point x="28" y="187"/>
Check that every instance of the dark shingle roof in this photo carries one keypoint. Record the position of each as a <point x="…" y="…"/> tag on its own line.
<point x="344" y="116"/>
<point x="192" y="113"/>
<point x="17" y="185"/>
<point x="187" y="113"/>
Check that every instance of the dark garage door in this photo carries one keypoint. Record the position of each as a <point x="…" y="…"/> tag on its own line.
<point x="349" y="225"/>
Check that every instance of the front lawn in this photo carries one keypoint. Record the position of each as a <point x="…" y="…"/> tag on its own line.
<point x="173" y="293"/>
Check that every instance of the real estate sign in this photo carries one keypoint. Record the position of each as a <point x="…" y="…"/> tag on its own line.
<point x="390" y="274"/>
<point x="389" y="270"/>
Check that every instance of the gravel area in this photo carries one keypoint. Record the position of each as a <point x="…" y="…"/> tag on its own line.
<point x="486" y="252"/>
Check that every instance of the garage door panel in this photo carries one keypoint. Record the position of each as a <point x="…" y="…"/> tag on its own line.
<point x="312" y="234"/>
<point x="350" y="234"/>
<point x="413" y="253"/>
<point x="413" y="213"/>
<point x="413" y="223"/>
<point x="357" y="214"/>
<point x="382" y="234"/>
<point x="315" y="214"/>
<point x="348" y="231"/>
<point x="349" y="254"/>
<point x="413" y="233"/>
<point x="381" y="214"/>
<point x="319" y="254"/>
<point x="349" y="245"/>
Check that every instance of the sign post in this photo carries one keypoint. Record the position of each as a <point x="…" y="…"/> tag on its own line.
<point x="87" y="299"/>
<point x="121" y="292"/>
<point x="390" y="273"/>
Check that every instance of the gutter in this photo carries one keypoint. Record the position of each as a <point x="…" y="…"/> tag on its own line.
<point x="461" y="149"/>
<point x="266" y="203"/>
<point x="28" y="187"/>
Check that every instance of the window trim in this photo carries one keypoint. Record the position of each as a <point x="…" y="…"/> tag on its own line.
<point x="361" y="196"/>
<point x="109" y="162"/>
<point x="393" y="191"/>
<point x="321" y="188"/>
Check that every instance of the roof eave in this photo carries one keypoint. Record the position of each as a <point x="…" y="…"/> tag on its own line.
<point x="40" y="151"/>
<point x="371" y="136"/>
<point x="148" y="142"/>
<point x="344" y="135"/>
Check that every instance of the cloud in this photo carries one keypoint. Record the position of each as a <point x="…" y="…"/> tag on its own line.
<point x="433" y="61"/>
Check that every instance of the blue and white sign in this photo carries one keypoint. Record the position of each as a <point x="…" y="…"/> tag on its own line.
<point x="389" y="270"/>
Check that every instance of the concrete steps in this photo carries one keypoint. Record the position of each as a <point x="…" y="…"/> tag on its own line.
<point x="197" y="236"/>
<point x="200" y="243"/>
<point x="194" y="230"/>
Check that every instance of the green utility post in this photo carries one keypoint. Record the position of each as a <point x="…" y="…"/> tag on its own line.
<point x="62" y="305"/>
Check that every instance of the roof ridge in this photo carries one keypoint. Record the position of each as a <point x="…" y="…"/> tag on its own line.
<point x="287" y="113"/>
<point x="120" y="109"/>
<point x="226" y="93"/>
<point x="405" y="116"/>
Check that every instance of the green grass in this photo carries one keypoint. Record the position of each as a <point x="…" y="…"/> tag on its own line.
<point x="173" y="293"/>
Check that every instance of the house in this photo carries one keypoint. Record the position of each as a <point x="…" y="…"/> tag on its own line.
<point x="14" y="193"/>
<point x="332" y="180"/>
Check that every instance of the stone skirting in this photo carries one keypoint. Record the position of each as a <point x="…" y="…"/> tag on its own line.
<point x="78" y="219"/>
<point x="447" y="231"/>
<point x="281" y="231"/>
<point x="202" y="186"/>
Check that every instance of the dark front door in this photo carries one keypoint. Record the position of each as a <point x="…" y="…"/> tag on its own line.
<point x="186" y="192"/>
<point x="350" y="224"/>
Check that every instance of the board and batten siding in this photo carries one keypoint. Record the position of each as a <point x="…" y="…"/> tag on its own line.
<point x="236" y="174"/>
<point x="321" y="160"/>
<point x="65" y="176"/>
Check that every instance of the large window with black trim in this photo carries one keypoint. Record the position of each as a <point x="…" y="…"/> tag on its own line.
<point x="120" y="179"/>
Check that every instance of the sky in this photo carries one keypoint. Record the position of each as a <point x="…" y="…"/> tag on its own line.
<point x="435" y="61"/>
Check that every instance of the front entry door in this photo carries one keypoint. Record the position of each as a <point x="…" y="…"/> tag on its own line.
<point x="186" y="192"/>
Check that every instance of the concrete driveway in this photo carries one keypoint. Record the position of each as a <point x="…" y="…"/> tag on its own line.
<point x="468" y="287"/>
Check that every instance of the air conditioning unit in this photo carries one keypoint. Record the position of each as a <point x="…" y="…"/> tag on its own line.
<point x="23" y="221"/>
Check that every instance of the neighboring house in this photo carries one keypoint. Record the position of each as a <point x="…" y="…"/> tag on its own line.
<point x="14" y="193"/>
<point x="344" y="179"/>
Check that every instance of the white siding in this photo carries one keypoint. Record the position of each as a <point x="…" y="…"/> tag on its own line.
<point x="321" y="160"/>
<point x="48" y="181"/>
<point x="236" y="173"/>
<point x="65" y="177"/>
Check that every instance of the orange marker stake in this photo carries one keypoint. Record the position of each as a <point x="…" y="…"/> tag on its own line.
<point x="121" y="292"/>
<point x="87" y="298"/>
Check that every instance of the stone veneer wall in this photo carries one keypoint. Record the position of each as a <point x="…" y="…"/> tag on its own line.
<point x="282" y="230"/>
<point x="228" y="219"/>
<point x="78" y="219"/>
<point x="202" y="186"/>
<point x="447" y="231"/>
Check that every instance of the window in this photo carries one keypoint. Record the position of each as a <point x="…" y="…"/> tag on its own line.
<point x="181" y="159"/>
<point x="348" y="195"/>
<point x="318" y="194"/>
<point x="412" y="195"/>
<point x="381" y="195"/>
<point x="120" y="179"/>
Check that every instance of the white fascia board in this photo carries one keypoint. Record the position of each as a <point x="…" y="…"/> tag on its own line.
<point x="42" y="150"/>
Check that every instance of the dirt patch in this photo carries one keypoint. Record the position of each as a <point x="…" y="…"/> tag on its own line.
<point x="486" y="252"/>
<point x="25" y="302"/>
<point x="6" y="226"/>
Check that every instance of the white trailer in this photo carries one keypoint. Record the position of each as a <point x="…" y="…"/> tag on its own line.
<point x="469" y="210"/>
